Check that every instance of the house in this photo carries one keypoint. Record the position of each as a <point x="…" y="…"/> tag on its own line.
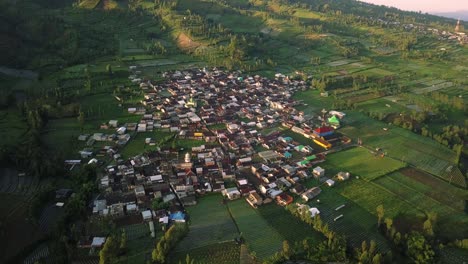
<point x="318" y="172"/>
<point x="254" y="199"/>
<point x="178" y="217"/>
<point x="330" y="182"/>
<point x="284" y="199"/>
<point x="324" y="131"/>
<point x="147" y="215"/>
<point x="231" y="193"/>
<point x="272" y="193"/>
<point x="334" y="122"/>
<point x="314" y="211"/>
<point x="342" y="176"/>
<point x="311" y="193"/>
<point x="297" y="189"/>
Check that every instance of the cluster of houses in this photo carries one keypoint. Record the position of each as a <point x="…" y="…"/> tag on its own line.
<point x="241" y="152"/>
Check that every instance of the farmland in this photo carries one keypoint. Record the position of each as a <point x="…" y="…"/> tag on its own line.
<point x="403" y="145"/>
<point x="283" y="224"/>
<point x="210" y="223"/>
<point x="224" y="252"/>
<point x="357" y="224"/>
<point x="362" y="62"/>
<point x="261" y="238"/>
<point x="361" y="161"/>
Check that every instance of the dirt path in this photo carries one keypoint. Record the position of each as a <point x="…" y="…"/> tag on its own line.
<point x="245" y="257"/>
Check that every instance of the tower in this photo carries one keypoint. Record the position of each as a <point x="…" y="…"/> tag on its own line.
<point x="458" y="27"/>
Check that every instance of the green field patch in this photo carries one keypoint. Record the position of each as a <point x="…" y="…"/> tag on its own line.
<point x="378" y="72"/>
<point x="338" y="63"/>
<point x="432" y="88"/>
<point x="262" y="239"/>
<point x="139" y="243"/>
<point x="357" y="224"/>
<point x="361" y="161"/>
<point x="369" y="195"/>
<point x="290" y="227"/>
<point x="382" y="105"/>
<point x="210" y="223"/>
<point x="399" y="143"/>
<point x="227" y="252"/>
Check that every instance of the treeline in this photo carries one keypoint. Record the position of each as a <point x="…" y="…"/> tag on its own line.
<point x="173" y="235"/>
<point x="333" y="248"/>
<point x="417" y="246"/>
<point x="57" y="39"/>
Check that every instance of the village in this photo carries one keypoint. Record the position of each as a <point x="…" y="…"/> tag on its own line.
<point x="244" y="125"/>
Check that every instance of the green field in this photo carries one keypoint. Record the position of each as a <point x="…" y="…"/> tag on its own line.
<point x="401" y="144"/>
<point x="360" y="161"/>
<point x="262" y="239"/>
<point x="226" y="252"/>
<point x="358" y="223"/>
<point x="139" y="243"/>
<point x="210" y="223"/>
<point x="282" y="221"/>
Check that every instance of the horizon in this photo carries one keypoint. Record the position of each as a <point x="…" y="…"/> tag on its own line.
<point x="426" y="6"/>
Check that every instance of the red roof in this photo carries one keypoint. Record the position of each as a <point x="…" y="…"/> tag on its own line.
<point x="323" y="129"/>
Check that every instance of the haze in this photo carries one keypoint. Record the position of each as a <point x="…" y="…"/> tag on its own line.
<point x="430" y="6"/>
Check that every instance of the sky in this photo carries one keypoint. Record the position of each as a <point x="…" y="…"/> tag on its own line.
<point x="430" y="6"/>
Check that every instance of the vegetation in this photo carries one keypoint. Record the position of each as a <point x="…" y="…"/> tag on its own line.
<point x="403" y="89"/>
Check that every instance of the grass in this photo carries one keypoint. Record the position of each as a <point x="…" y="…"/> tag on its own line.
<point x="262" y="239"/>
<point x="360" y="161"/>
<point x="227" y="252"/>
<point x="210" y="224"/>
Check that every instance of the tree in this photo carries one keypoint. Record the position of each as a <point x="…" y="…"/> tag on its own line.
<point x="380" y="214"/>
<point x="109" y="68"/>
<point x="418" y="249"/>
<point x="123" y="242"/>
<point x="81" y="119"/>
<point x="287" y="252"/>
<point x="109" y="251"/>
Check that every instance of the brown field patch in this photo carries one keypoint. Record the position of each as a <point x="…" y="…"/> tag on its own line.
<point x="186" y="43"/>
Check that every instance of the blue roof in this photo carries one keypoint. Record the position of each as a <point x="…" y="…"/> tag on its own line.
<point x="287" y="154"/>
<point x="177" y="216"/>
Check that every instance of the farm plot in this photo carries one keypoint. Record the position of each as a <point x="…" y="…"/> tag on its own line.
<point x="210" y="223"/>
<point x="369" y="195"/>
<point x="338" y="63"/>
<point x="262" y="239"/>
<point x="410" y="195"/>
<point x="400" y="144"/>
<point x="290" y="227"/>
<point x="139" y="243"/>
<point x="227" y="252"/>
<point x="361" y="161"/>
<point x="357" y="224"/>
<point x="432" y="187"/>
<point x="383" y="105"/>
<point x="432" y="88"/>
